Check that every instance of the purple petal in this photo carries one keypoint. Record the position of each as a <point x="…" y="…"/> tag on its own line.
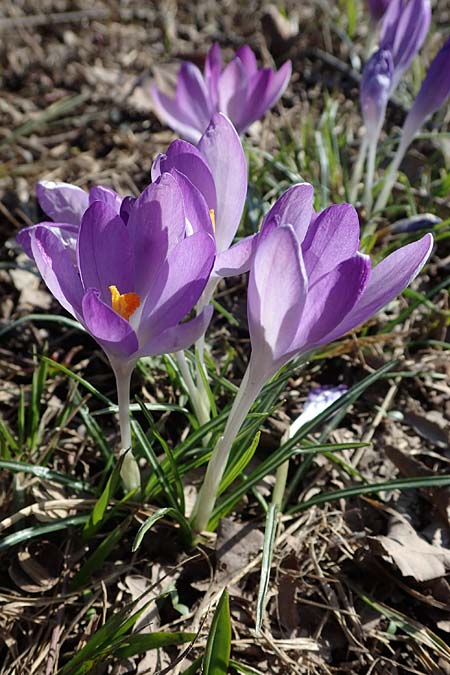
<point x="157" y="223"/>
<point x="187" y="159"/>
<point x="104" y="251"/>
<point x="237" y="259"/>
<point x="277" y="293"/>
<point x="249" y="104"/>
<point x="113" y="333"/>
<point x="375" y="88"/>
<point x="279" y="84"/>
<point x="213" y="68"/>
<point x="197" y="213"/>
<point x="178" y="337"/>
<point x="171" y="111"/>
<point x="179" y="284"/>
<point x="232" y="84"/>
<point x="329" y="299"/>
<point x="295" y="208"/>
<point x="67" y="234"/>
<point x="221" y="146"/>
<point x="62" y="202"/>
<point x="377" y="8"/>
<point x="333" y="238"/>
<point x="387" y="280"/>
<point x="57" y="269"/>
<point x="107" y="195"/>
<point x="248" y="58"/>
<point x="126" y="207"/>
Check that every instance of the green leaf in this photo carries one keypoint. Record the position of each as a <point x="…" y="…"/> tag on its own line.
<point x="244" y="669"/>
<point x="102" y="503"/>
<point x="266" y="563"/>
<point x="218" y="646"/>
<point x="238" y="466"/>
<point x="46" y="474"/>
<point x="161" y="513"/>
<point x="40" y="530"/>
<point x="140" y="643"/>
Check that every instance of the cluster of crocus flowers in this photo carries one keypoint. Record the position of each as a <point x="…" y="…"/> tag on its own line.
<point x="309" y="285"/>
<point x="129" y="270"/>
<point x="240" y="90"/>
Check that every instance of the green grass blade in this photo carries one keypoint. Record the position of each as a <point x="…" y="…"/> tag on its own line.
<point x="266" y="563"/>
<point x="40" y="530"/>
<point x="218" y="646"/>
<point x="137" y="644"/>
<point x="46" y="474"/>
<point x="161" y="513"/>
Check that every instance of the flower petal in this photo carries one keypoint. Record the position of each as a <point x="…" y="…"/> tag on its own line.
<point x="213" y="68"/>
<point x="278" y="84"/>
<point x="57" y="269"/>
<point x="178" y="337"/>
<point x="198" y="216"/>
<point x="179" y="284"/>
<point x="233" y="83"/>
<point x="237" y="259"/>
<point x="156" y="224"/>
<point x="331" y="239"/>
<point x="66" y="233"/>
<point x="295" y="208"/>
<point x="277" y="293"/>
<point x="248" y="58"/>
<point x="171" y="112"/>
<point x="387" y="280"/>
<point x="329" y="299"/>
<point x="221" y="146"/>
<point x="62" y="202"/>
<point x="104" y="251"/>
<point x="187" y="159"/>
<point x="107" y="195"/>
<point x="111" y="331"/>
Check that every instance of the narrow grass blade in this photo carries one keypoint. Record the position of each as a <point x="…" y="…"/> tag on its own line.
<point x="46" y="474"/>
<point x="161" y="513"/>
<point x="218" y="646"/>
<point x="103" y="501"/>
<point x="45" y="318"/>
<point x="40" y="530"/>
<point x="137" y="644"/>
<point x="238" y="466"/>
<point x="266" y="563"/>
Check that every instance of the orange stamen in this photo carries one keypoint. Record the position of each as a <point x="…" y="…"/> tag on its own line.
<point x="124" y="303"/>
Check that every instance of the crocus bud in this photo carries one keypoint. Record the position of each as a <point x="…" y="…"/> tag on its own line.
<point x="374" y="91"/>
<point x="433" y="93"/>
<point x="405" y="27"/>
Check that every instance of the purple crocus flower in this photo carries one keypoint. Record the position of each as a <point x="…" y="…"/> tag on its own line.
<point x="133" y="278"/>
<point x="404" y="29"/>
<point x="308" y="285"/>
<point x="240" y="90"/>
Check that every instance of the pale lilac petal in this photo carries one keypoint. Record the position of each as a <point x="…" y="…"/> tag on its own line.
<point x="279" y="84"/>
<point x="62" y="202"/>
<point x="332" y="238"/>
<point x="179" y="284"/>
<point x="221" y="146"/>
<point x="197" y="213"/>
<point x="318" y="400"/>
<point x="237" y="259"/>
<point x="213" y="68"/>
<point x="156" y="224"/>
<point x="295" y="208"/>
<point x="248" y="58"/>
<point x="389" y="278"/>
<point x="331" y="298"/>
<point x="277" y="292"/>
<point x="187" y="159"/>
<point x="105" y="256"/>
<point x="66" y="233"/>
<point x="233" y="83"/>
<point x="192" y="94"/>
<point x="178" y="337"/>
<point x="57" y="269"/>
<point x="113" y="333"/>
<point x="107" y="195"/>
<point x="170" y="111"/>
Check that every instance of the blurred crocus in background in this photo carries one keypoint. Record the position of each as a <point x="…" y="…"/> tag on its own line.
<point x="308" y="286"/>
<point x="433" y="93"/>
<point x="240" y="90"/>
<point x="129" y="279"/>
<point x="377" y="9"/>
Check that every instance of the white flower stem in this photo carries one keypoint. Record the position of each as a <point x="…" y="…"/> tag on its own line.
<point x="391" y="174"/>
<point x="129" y="471"/>
<point x="370" y="172"/>
<point x="358" y="170"/>
<point x="201" y="412"/>
<point x="248" y="391"/>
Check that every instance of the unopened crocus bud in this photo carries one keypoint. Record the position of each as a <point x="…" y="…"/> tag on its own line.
<point x="433" y="93"/>
<point x="405" y="27"/>
<point x="374" y="91"/>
